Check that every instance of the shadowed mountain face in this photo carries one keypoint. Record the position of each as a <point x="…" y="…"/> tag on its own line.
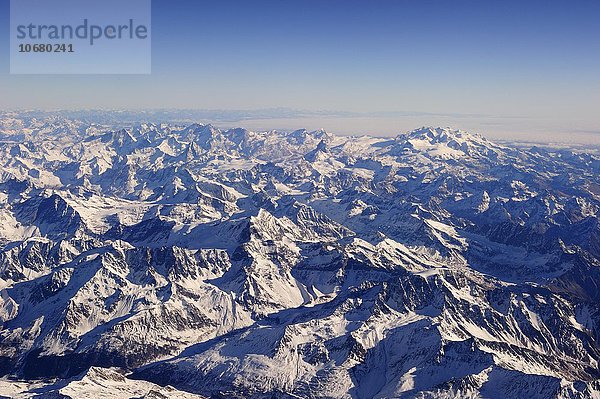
<point x="266" y="264"/>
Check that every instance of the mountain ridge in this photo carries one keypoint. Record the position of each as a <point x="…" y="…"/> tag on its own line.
<point x="263" y="264"/>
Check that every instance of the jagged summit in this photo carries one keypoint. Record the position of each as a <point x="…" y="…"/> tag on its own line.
<point x="318" y="154"/>
<point x="448" y="143"/>
<point x="435" y="135"/>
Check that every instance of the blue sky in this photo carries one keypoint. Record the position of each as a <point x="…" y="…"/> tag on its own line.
<point x="513" y="68"/>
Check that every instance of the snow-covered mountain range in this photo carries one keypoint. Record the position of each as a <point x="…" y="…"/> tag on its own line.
<point x="240" y="264"/>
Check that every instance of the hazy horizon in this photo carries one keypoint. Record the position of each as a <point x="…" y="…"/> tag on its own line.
<point x="526" y="71"/>
<point x="385" y="124"/>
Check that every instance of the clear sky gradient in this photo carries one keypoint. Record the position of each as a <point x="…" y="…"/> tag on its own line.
<point x="514" y="69"/>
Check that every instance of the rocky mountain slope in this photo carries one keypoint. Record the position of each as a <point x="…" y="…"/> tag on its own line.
<point x="267" y="264"/>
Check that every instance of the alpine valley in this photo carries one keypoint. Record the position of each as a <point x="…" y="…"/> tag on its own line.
<point x="186" y="261"/>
